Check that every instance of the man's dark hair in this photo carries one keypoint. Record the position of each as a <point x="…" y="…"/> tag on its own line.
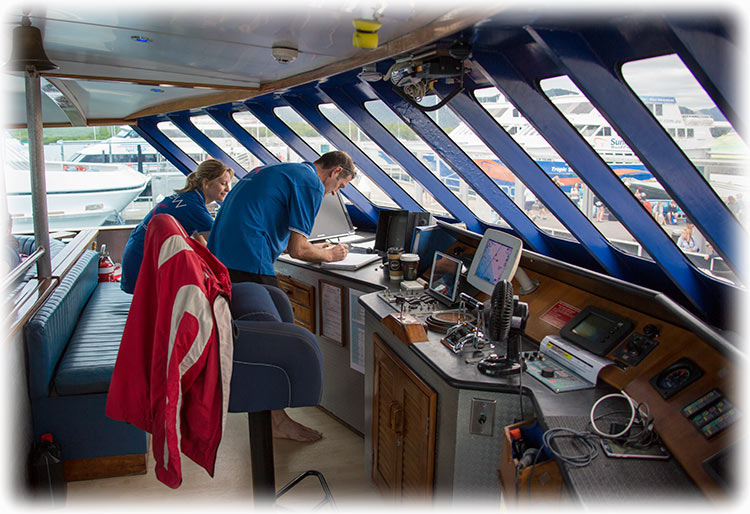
<point x="337" y="158"/>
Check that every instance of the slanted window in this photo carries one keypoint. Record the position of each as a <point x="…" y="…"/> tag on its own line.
<point x="422" y="196"/>
<point x="321" y="145"/>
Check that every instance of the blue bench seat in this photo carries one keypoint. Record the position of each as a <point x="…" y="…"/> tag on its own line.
<point x="88" y="361"/>
<point x="72" y="343"/>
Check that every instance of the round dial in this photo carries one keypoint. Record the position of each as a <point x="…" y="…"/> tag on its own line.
<point x="675" y="378"/>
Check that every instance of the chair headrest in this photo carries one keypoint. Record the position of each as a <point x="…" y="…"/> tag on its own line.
<point x="252" y="302"/>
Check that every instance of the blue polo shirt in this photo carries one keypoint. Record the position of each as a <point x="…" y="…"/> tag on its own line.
<point x="189" y="209"/>
<point x="255" y="220"/>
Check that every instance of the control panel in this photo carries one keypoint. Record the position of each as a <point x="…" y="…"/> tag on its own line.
<point x="711" y="413"/>
<point x="553" y="375"/>
<point x="414" y="303"/>
<point x="634" y="349"/>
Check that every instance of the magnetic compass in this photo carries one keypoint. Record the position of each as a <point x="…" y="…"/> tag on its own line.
<point x="676" y="377"/>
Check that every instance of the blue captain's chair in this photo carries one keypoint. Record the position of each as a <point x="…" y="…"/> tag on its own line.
<point x="277" y="364"/>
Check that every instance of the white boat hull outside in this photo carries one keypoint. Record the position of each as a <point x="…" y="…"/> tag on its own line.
<point x="75" y="199"/>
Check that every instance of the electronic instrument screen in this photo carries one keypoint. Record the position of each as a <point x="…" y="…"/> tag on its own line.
<point x="496" y="259"/>
<point x="596" y="330"/>
<point x="445" y="276"/>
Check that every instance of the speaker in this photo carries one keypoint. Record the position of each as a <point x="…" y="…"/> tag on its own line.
<point x="415" y="219"/>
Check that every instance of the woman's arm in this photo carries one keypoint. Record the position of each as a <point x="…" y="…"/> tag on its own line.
<point x="202" y="238"/>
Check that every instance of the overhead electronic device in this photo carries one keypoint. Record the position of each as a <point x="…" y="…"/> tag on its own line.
<point x="496" y="259"/>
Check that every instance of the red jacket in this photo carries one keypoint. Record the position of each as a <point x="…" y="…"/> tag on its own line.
<point x="174" y="365"/>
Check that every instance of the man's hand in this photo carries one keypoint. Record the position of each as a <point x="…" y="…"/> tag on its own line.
<point x="300" y="248"/>
<point x="338" y="252"/>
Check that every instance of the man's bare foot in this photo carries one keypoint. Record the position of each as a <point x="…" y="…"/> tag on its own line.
<point x="285" y="427"/>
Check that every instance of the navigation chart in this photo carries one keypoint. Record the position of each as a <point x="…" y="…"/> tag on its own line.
<point x="494" y="261"/>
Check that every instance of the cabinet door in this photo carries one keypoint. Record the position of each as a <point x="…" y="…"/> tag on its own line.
<point x="386" y="423"/>
<point x="418" y="447"/>
<point x="403" y="428"/>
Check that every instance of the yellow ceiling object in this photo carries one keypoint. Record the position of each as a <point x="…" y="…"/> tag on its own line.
<point x="365" y="33"/>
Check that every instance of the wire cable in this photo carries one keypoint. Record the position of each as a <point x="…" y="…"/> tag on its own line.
<point x="631" y="403"/>
<point x="584" y="439"/>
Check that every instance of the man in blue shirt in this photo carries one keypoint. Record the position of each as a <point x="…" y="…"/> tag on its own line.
<point x="271" y="209"/>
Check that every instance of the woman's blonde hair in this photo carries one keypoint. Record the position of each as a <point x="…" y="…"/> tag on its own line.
<point x="210" y="169"/>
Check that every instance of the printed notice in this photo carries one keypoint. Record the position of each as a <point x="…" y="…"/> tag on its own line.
<point x="559" y="314"/>
<point x="331" y="312"/>
<point x="357" y="331"/>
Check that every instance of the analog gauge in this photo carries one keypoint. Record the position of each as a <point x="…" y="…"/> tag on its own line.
<point x="676" y="377"/>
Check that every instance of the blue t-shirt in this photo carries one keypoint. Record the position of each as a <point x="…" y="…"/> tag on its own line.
<point x="188" y="208"/>
<point x="253" y="226"/>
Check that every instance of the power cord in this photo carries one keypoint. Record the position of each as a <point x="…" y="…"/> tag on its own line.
<point x="585" y="439"/>
<point x="637" y="432"/>
<point x="633" y="409"/>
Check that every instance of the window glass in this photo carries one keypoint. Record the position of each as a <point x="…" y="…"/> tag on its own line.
<point x="433" y="162"/>
<point x="183" y="142"/>
<point x="639" y="180"/>
<point x="686" y="112"/>
<point x="384" y="162"/>
<point x="265" y="137"/>
<point x="226" y="142"/>
<point x="465" y="137"/>
<point x="537" y="147"/>
<point x="321" y="145"/>
<point x="690" y="117"/>
<point x="76" y="159"/>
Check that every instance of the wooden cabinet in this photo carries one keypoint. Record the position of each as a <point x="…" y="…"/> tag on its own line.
<point x="302" y="297"/>
<point x="403" y="428"/>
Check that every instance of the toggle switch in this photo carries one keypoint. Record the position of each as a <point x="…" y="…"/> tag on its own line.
<point x="482" y="416"/>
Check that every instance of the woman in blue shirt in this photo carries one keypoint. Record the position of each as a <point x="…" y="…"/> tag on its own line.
<point x="208" y="183"/>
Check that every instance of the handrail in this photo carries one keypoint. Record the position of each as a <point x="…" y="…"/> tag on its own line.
<point x="19" y="270"/>
<point x="33" y="294"/>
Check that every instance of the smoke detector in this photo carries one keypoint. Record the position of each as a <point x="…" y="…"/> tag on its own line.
<point x="284" y="54"/>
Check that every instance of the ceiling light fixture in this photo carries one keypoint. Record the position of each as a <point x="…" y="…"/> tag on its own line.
<point x="141" y="39"/>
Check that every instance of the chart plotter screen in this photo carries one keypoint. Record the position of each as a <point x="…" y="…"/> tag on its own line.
<point x="496" y="259"/>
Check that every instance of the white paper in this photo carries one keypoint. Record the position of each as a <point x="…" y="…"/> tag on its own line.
<point x="352" y="261"/>
<point x="357" y="331"/>
<point x="330" y="309"/>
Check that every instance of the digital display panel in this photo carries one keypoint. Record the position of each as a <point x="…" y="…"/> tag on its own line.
<point x="445" y="276"/>
<point x="593" y="327"/>
<point x="495" y="259"/>
<point x="493" y="262"/>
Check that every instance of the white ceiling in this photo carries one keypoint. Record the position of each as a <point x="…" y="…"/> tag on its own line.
<point x="218" y="46"/>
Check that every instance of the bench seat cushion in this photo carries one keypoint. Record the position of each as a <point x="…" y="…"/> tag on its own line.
<point x="89" y="359"/>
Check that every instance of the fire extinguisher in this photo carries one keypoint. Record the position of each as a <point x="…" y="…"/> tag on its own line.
<point x="108" y="271"/>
